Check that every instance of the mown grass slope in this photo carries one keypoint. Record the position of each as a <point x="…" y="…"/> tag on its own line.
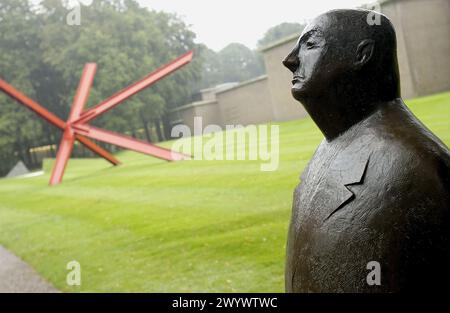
<point x="152" y="226"/>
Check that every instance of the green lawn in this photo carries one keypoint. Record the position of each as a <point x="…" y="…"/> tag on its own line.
<point x="152" y="226"/>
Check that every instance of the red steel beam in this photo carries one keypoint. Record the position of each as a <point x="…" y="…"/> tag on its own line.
<point x="62" y="157"/>
<point x="31" y="104"/>
<point x="131" y="90"/>
<point x="82" y="94"/>
<point x="53" y="119"/>
<point x="128" y="143"/>
<point x="68" y="138"/>
<point x="97" y="149"/>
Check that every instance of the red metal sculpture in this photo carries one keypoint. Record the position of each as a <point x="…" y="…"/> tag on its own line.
<point x="77" y="128"/>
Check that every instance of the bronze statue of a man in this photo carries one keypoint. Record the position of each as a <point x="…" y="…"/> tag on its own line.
<point x="371" y="213"/>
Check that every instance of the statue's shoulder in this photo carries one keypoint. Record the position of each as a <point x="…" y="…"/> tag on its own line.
<point x="399" y="138"/>
<point x="407" y="159"/>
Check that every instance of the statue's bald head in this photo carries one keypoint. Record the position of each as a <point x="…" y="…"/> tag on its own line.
<point x="347" y="43"/>
<point x="345" y="55"/>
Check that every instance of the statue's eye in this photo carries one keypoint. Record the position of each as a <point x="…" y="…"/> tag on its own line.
<point x="310" y="44"/>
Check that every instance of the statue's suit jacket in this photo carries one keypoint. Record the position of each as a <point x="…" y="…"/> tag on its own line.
<point x="378" y="192"/>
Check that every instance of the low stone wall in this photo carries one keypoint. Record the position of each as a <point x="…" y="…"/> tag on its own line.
<point x="423" y="42"/>
<point x="208" y="110"/>
<point x="246" y="103"/>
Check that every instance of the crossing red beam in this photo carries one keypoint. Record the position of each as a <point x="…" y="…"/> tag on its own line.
<point x="53" y="119"/>
<point x="76" y="127"/>
<point x="31" y="104"/>
<point x="133" y="89"/>
<point x="129" y="143"/>
<point x="68" y="137"/>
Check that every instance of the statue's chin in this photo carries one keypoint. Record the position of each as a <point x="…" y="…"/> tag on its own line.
<point x="298" y="93"/>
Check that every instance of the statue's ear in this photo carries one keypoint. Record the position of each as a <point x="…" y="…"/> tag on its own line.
<point x="364" y="52"/>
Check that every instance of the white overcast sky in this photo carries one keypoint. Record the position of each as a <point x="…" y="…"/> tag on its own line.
<point x="220" y="22"/>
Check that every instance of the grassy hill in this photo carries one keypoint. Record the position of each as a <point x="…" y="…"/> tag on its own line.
<point x="152" y="226"/>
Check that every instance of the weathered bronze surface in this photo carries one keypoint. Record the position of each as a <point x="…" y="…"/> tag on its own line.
<point x="377" y="188"/>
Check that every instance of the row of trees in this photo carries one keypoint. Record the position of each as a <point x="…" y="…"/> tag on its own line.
<point x="43" y="56"/>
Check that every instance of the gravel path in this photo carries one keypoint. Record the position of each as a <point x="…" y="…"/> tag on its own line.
<point x="17" y="276"/>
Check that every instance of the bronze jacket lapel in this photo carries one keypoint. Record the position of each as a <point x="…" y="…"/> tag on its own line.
<point x="347" y="169"/>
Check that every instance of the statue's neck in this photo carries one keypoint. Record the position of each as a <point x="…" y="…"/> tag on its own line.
<point x="349" y="99"/>
<point x="335" y="116"/>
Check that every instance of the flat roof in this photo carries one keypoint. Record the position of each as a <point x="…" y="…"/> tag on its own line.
<point x="244" y="83"/>
<point x="192" y="105"/>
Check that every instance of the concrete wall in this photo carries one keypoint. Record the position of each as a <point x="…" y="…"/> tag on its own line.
<point x="246" y="103"/>
<point x="423" y="39"/>
<point x="279" y="82"/>
<point x="208" y="110"/>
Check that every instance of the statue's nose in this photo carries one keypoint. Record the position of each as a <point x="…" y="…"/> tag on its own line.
<point x="291" y="63"/>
